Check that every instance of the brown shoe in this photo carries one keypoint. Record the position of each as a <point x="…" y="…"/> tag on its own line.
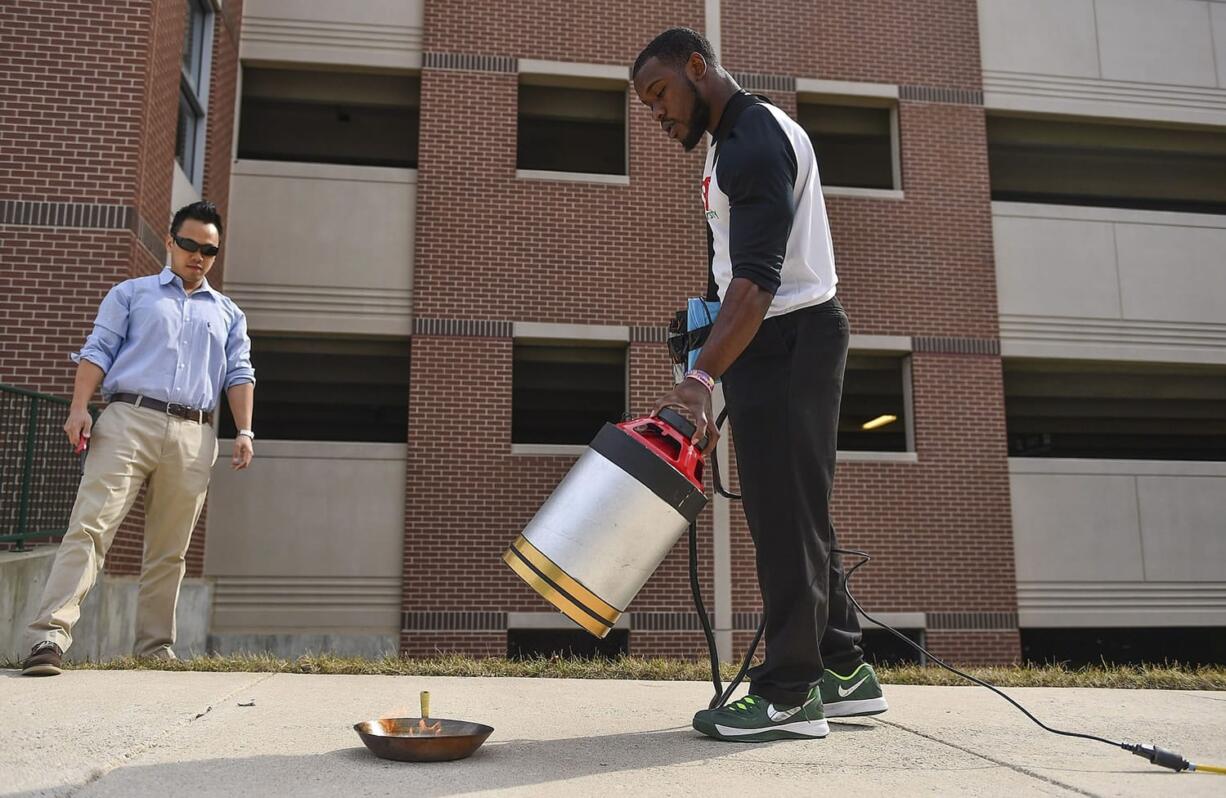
<point x="45" y="660"/>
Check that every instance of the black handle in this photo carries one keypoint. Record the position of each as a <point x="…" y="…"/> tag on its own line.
<point x="677" y="421"/>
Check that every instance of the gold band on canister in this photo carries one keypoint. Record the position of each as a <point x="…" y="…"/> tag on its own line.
<point x="561" y="589"/>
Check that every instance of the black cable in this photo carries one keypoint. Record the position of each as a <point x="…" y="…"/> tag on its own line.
<point x="1155" y="755"/>
<point x="719" y="484"/>
<point x="847" y="587"/>
<point x="722" y="696"/>
<point x="702" y="611"/>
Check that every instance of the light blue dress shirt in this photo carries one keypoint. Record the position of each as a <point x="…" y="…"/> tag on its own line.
<point x="153" y="338"/>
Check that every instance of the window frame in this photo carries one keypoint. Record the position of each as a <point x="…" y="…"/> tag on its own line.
<point x="567" y="335"/>
<point x="268" y="346"/>
<point x="1071" y="125"/>
<point x="862" y="95"/>
<point x="307" y="69"/>
<point x="887" y="346"/>
<point x="194" y="89"/>
<point x="591" y="77"/>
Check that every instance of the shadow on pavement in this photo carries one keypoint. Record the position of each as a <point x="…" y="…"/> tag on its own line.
<point x="499" y="765"/>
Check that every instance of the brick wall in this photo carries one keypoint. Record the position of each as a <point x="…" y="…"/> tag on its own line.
<point x="939" y="530"/>
<point x="88" y="104"/>
<point x="923" y="42"/>
<point x="218" y="152"/>
<point x="70" y="117"/>
<point x="494" y="247"/>
<point x="219" y="141"/>
<point x="588" y="31"/>
<point x="491" y="246"/>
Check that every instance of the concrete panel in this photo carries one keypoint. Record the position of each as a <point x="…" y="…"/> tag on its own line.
<point x="1172" y="273"/>
<point x="306" y="604"/>
<point x="182" y="192"/>
<point x="292" y="646"/>
<point x="1183" y="528"/>
<point x="107" y="628"/>
<point x="1156" y="41"/>
<point x="1110" y="283"/>
<point x="291" y="558"/>
<point x="1176" y="528"/>
<point x="372" y="33"/>
<point x="282" y="516"/>
<point x="1075" y="527"/>
<point x="1039" y="36"/>
<point x="1051" y="267"/>
<point x="108" y="619"/>
<point x="1217" y="16"/>
<point x="296" y="234"/>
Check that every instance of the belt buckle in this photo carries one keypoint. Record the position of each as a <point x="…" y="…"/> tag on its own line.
<point x="183" y="410"/>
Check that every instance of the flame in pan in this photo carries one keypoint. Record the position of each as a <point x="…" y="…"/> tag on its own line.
<point x="392" y="727"/>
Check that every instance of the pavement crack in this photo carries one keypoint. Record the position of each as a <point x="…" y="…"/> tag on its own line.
<point x="1207" y="697"/>
<point x="999" y="762"/>
<point x="126" y="756"/>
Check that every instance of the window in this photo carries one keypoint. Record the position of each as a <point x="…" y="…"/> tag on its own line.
<point x="854" y="144"/>
<point x="1108" y="165"/>
<point x="563" y="393"/>
<point x="569" y="643"/>
<point x="1115" y="410"/>
<point x="882" y="648"/>
<point x="875" y="416"/>
<point x="329" y="117"/>
<point x="193" y="90"/>
<point x="572" y="130"/>
<point x="324" y="389"/>
<point x="1094" y="647"/>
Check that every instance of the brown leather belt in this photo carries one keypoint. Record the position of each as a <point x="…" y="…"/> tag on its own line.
<point x="170" y="409"/>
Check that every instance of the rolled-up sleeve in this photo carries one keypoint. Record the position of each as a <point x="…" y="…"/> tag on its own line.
<point x="238" y="353"/>
<point x="110" y="330"/>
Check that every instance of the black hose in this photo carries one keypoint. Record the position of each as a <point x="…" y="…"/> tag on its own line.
<point x="702" y="611"/>
<point x="721" y="695"/>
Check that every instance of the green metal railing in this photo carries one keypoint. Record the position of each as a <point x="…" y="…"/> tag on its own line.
<point x="39" y="473"/>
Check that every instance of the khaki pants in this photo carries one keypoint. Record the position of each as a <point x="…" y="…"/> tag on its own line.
<point x="130" y="445"/>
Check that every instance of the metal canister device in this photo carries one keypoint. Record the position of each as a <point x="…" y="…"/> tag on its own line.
<point x="613" y="519"/>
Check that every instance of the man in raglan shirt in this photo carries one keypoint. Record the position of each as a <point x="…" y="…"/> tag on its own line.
<point x="780" y="346"/>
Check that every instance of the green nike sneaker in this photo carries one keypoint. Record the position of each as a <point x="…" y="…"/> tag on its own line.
<point x="854" y="695"/>
<point x="753" y="719"/>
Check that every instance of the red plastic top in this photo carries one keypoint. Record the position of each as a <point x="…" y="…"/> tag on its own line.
<point x="669" y="444"/>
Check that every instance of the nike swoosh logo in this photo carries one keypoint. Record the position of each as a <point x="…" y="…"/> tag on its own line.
<point x="846" y="691"/>
<point x="777" y="715"/>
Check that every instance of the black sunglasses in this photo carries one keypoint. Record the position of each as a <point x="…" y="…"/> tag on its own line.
<point x="207" y="250"/>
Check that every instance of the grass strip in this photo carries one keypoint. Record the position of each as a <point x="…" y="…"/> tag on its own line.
<point x="1149" y="677"/>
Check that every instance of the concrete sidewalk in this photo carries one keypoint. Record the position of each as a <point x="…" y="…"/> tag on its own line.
<point x="117" y="733"/>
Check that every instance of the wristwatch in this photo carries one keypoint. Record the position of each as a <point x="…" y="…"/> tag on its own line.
<point x="246" y="433"/>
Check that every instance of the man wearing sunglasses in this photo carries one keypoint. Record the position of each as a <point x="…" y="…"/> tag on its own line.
<point x="163" y="349"/>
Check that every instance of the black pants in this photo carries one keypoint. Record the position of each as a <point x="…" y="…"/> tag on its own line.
<point x="783" y="396"/>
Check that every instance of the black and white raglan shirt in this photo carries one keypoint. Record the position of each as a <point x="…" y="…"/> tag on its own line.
<point x="764" y="207"/>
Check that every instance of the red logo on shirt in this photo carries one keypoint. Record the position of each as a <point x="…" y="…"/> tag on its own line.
<point x="706" y="190"/>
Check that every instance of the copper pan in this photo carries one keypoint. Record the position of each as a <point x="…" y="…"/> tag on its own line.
<point x="423" y="739"/>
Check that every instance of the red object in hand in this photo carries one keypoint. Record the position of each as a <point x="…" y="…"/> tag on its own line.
<point x="82" y="444"/>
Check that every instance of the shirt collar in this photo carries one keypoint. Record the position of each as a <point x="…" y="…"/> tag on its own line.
<point x="168" y="276"/>
<point x="732" y="109"/>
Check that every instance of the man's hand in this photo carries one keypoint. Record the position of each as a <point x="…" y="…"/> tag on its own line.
<point x="694" y="399"/>
<point x="243" y="452"/>
<point x="78" y="425"/>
